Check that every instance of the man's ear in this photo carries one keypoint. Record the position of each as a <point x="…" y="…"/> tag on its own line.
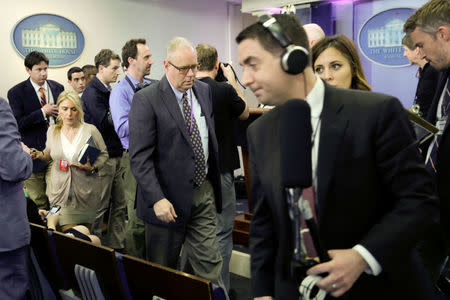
<point x="443" y="32"/>
<point x="129" y="61"/>
<point x="166" y="65"/>
<point x="28" y="70"/>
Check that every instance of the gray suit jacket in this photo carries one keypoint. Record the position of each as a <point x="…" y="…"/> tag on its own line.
<point x="15" y="166"/>
<point x="161" y="154"/>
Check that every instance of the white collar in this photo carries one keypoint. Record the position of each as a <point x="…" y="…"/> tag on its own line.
<point x="315" y="98"/>
<point x="37" y="87"/>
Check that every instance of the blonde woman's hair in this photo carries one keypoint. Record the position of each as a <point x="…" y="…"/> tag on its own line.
<point x="73" y="97"/>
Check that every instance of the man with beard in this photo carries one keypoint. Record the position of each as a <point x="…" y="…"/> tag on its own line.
<point x="137" y="60"/>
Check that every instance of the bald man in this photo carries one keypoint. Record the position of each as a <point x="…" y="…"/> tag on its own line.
<point x="314" y="32"/>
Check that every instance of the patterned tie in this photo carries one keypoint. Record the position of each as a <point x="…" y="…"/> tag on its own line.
<point x="431" y="163"/>
<point x="308" y="194"/>
<point x="200" y="165"/>
<point x="42" y="98"/>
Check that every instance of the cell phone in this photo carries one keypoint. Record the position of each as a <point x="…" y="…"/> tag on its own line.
<point x="53" y="210"/>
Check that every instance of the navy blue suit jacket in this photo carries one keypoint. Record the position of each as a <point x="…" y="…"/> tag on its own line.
<point x="161" y="153"/>
<point x="96" y="111"/>
<point x="27" y="110"/>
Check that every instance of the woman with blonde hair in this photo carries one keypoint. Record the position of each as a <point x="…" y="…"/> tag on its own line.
<point x="73" y="186"/>
<point x="336" y="60"/>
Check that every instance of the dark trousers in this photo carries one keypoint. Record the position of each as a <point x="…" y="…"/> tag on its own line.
<point x="14" y="274"/>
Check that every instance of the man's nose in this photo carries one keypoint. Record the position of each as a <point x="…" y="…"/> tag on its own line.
<point x="247" y="78"/>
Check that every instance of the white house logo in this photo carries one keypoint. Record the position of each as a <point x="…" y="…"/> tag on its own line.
<point x="59" y="38"/>
<point x="380" y="37"/>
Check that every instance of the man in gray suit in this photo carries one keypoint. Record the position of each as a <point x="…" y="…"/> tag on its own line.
<point x="15" y="166"/>
<point x="174" y="157"/>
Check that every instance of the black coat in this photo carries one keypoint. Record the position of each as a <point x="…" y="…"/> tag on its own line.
<point x="372" y="190"/>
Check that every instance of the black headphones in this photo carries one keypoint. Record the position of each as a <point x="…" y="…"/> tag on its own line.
<point x="295" y="58"/>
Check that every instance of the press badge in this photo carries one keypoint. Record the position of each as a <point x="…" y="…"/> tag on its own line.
<point x="63" y="165"/>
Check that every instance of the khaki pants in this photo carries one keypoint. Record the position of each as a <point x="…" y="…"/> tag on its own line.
<point x="113" y="197"/>
<point x="135" y="229"/>
<point x="198" y="239"/>
<point x="37" y="186"/>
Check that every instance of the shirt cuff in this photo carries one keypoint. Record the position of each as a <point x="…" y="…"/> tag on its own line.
<point x="374" y="266"/>
<point x="43" y="113"/>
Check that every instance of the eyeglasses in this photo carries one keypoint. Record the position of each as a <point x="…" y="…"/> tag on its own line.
<point x="185" y="69"/>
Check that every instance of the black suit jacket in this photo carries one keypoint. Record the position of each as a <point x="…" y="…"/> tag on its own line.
<point x="26" y="107"/>
<point x="161" y="153"/>
<point x="443" y="160"/>
<point x="372" y="190"/>
<point x="227" y="107"/>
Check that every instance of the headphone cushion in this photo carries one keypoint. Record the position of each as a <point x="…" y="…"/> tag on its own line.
<point x="294" y="61"/>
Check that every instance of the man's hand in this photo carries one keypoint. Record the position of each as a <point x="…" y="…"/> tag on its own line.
<point x="25" y="148"/>
<point x="343" y="270"/>
<point x="264" y="298"/>
<point x="228" y="72"/>
<point x="52" y="219"/>
<point x="50" y="109"/>
<point x="164" y="211"/>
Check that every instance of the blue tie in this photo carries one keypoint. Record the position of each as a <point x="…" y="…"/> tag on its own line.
<point x="200" y="165"/>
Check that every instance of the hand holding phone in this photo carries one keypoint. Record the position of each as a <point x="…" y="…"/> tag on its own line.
<point x="53" y="211"/>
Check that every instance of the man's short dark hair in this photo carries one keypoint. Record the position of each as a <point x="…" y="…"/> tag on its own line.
<point x="206" y="57"/>
<point x="130" y="50"/>
<point x="34" y="58"/>
<point x="429" y="17"/>
<point x="291" y="26"/>
<point x="73" y="70"/>
<point x="104" y="58"/>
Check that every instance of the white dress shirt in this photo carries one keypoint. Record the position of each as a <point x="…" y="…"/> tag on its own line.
<point x="48" y="96"/>
<point x="315" y="100"/>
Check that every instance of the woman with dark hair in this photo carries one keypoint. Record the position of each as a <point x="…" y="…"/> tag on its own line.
<point x="336" y="60"/>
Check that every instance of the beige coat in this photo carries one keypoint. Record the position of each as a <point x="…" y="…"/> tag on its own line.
<point x="86" y="190"/>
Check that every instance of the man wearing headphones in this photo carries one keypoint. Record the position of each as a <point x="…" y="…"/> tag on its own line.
<point x="373" y="196"/>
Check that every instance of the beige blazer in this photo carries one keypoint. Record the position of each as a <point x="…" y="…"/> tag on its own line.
<point x="84" y="186"/>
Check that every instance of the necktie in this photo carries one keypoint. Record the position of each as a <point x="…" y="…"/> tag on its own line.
<point x="192" y="128"/>
<point x="42" y="98"/>
<point x="140" y="86"/>
<point x="308" y="195"/>
<point x="431" y="163"/>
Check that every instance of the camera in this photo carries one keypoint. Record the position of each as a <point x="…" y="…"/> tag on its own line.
<point x="220" y="77"/>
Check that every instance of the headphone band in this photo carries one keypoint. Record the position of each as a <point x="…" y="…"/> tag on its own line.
<point x="271" y="24"/>
<point x="294" y="58"/>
